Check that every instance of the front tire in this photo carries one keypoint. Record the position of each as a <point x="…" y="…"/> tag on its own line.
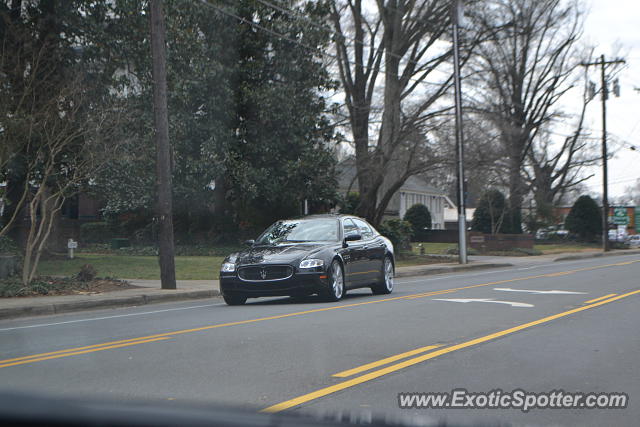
<point x="386" y="283"/>
<point x="336" y="282"/>
<point x="232" y="299"/>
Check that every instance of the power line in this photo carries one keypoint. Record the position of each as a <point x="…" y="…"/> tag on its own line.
<point x="295" y="14"/>
<point x="620" y="181"/>
<point x="297" y="42"/>
<point x="253" y="24"/>
<point x="298" y="15"/>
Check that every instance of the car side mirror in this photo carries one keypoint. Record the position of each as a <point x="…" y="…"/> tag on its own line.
<point x="351" y="238"/>
<point x="249" y="242"/>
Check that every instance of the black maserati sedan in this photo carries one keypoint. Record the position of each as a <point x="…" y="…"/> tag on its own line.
<point x="317" y="254"/>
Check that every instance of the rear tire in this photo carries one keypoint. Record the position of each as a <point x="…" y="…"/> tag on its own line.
<point x="385" y="286"/>
<point x="232" y="299"/>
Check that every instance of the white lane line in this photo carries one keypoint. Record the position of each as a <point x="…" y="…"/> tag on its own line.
<point x="41" y="325"/>
<point x="466" y="300"/>
<point x="531" y="291"/>
<point x="445" y="276"/>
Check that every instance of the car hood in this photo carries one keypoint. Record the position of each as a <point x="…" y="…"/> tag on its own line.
<point x="278" y="254"/>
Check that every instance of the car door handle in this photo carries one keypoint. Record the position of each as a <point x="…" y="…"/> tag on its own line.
<point x="365" y="247"/>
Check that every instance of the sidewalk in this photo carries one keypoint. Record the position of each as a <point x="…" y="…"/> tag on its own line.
<point x="149" y="291"/>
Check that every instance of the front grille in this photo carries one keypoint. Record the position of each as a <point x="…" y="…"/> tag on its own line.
<point x="265" y="273"/>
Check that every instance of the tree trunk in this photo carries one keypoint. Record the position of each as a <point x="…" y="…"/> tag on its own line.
<point x="390" y="127"/>
<point x="386" y="198"/>
<point x="220" y="198"/>
<point x="516" y="193"/>
<point x="364" y="164"/>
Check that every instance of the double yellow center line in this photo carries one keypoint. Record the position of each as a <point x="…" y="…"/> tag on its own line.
<point x="75" y="351"/>
<point x="419" y="359"/>
<point x="384" y="361"/>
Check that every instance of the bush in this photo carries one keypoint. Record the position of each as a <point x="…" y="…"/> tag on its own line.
<point x="525" y="251"/>
<point x="96" y="232"/>
<point x="87" y="273"/>
<point x="42" y="285"/>
<point x="349" y="203"/>
<point x="584" y="219"/>
<point x="454" y="251"/>
<point x="490" y="215"/>
<point x="9" y="247"/>
<point x="399" y="232"/>
<point x="420" y="218"/>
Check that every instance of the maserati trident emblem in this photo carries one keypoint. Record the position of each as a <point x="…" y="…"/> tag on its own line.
<point x="263" y="273"/>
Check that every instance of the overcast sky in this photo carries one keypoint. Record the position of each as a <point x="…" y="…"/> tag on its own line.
<point x="613" y="27"/>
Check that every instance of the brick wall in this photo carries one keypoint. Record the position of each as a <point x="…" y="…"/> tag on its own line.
<point x="500" y="242"/>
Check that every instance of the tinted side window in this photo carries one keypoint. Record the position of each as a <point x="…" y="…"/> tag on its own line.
<point x="364" y="229"/>
<point x="349" y="227"/>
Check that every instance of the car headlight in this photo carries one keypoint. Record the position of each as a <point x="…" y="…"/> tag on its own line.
<point x="311" y="263"/>
<point x="228" y="267"/>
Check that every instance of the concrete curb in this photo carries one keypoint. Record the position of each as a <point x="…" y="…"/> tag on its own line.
<point x="127" y="301"/>
<point x="428" y="271"/>
<point x="598" y="255"/>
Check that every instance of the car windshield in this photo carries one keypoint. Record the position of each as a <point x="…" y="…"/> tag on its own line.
<point x="296" y="231"/>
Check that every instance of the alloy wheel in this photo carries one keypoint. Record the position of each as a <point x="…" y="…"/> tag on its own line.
<point x="338" y="280"/>
<point x="388" y="274"/>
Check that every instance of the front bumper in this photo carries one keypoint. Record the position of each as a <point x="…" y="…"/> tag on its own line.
<point x="299" y="284"/>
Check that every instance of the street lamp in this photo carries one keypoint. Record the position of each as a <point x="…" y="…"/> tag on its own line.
<point x="462" y="220"/>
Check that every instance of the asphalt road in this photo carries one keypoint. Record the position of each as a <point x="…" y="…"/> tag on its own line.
<point x="569" y="326"/>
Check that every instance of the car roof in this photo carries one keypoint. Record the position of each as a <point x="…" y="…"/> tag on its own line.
<point x="334" y="216"/>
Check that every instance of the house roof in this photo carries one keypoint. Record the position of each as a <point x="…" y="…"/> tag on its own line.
<point x="347" y="180"/>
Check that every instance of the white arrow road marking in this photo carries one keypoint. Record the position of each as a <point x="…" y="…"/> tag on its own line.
<point x="465" y="300"/>
<point x="531" y="291"/>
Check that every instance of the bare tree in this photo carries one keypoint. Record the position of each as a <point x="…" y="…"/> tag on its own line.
<point x="386" y="54"/>
<point x="484" y="163"/>
<point x="523" y="69"/>
<point x="632" y="195"/>
<point x="553" y="170"/>
<point x="68" y="140"/>
<point x="55" y="131"/>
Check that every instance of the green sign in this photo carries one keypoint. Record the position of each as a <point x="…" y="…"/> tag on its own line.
<point x="637" y="219"/>
<point x="620" y="216"/>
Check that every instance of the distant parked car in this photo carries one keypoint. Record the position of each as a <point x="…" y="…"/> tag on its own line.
<point x="615" y="236"/>
<point x="553" y="232"/>
<point x="562" y="233"/>
<point x="556" y="232"/>
<point x="542" y="234"/>
<point x="634" y="241"/>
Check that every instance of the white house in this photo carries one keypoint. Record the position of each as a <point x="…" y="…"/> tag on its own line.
<point x="414" y="191"/>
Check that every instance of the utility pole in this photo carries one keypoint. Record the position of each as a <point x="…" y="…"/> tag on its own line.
<point x="604" y="94"/>
<point x="462" y="221"/>
<point x="164" y="206"/>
